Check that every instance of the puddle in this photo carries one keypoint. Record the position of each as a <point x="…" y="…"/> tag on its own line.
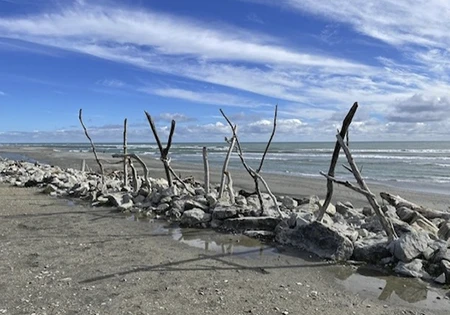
<point x="211" y="241"/>
<point x="365" y="281"/>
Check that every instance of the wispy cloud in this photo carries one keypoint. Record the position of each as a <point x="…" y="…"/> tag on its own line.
<point x="2" y="93"/>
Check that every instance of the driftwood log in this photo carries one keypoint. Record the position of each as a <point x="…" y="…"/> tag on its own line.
<point x="100" y="165"/>
<point x="337" y="148"/>
<point x="255" y="174"/>
<point x="125" y="152"/>
<point x="137" y="158"/>
<point x="232" y="143"/>
<point x="398" y="202"/>
<point x="206" y="169"/>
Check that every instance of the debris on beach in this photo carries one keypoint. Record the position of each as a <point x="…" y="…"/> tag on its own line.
<point x="345" y="233"/>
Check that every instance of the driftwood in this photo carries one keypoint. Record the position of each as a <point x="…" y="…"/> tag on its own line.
<point x="163" y="151"/>
<point x="232" y="143"/>
<point x="136" y="185"/>
<point x="80" y="117"/>
<point x="137" y="158"/>
<point x="364" y="189"/>
<point x="125" y="151"/>
<point x="230" y="187"/>
<point x="255" y="174"/>
<point x="337" y="148"/>
<point x="398" y="202"/>
<point x="206" y="169"/>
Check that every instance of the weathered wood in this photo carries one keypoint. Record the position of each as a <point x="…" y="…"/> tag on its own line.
<point x="226" y="162"/>
<point x="137" y="158"/>
<point x="83" y="165"/>
<point x="80" y="117"/>
<point x="255" y="174"/>
<point x="125" y="151"/>
<point x="163" y="151"/>
<point x="337" y="148"/>
<point x="348" y="185"/>
<point x="385" y="222"/>
<point x="206" y="169"/>
<point x="398" y="202"/>
<point x="230" y="187"/>
<point x="136" y="185"/>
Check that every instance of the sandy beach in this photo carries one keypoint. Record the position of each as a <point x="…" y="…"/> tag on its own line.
<point x="64" y="257"/>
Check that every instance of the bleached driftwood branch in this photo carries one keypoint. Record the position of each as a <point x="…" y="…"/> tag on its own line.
<point x="230" y="187"/>
<point x="137" y="158"/>
<point x="385" y="222"/>
<point x="80" y="117"/>
<point x="337" y="148"/>
<point x="232" y="143"/>
<point x="163" y="151"/>
<point x="255" y="174"/>
<point x="398" y="202"/>
<point x="125" y="151"/>
<point x="206" y="169"/>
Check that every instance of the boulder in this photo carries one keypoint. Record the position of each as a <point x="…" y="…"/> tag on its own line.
<point x="372" y="250"/>
<point x="251" y="223"/>
<point x="195" y="217"/>
<point x="170" y="191"/>
<point x="444" y="231"/>
<point x="222" y="212"/>
<point x="446" y="266"/>
<point x="289" y="203"/>
<point x="410" y="246"/>
<point x="413" y="268"/>
<point x="347" y="212"/>
<point x="192" y="204"/>
<point x="316" y="237"/>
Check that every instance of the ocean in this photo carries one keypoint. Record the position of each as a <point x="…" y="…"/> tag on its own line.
<point x="417" y="165"/>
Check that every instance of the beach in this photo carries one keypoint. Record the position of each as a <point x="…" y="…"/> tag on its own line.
<point x="66" y="257"/>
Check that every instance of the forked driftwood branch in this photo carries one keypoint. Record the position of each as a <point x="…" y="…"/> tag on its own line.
<point x="163" y="151"/>
<point x="364" y="189"/>
<point x="100" y="165"/>
<point x="337" y="148"/>
<point x="255" y="174"/>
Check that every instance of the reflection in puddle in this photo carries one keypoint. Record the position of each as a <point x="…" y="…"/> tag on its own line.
<point x="391" y="288"/>
<point x="368" y="282"/>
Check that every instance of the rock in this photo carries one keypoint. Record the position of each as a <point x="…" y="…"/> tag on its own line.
<point x="49" y="189"/>
<point x="170" y="191"/>
<point x="251" y="223"/>
<point x="368" y="211"/>
<point x="264" y="235"/>
<point x="405" y="214"/>
<point x="195" y="217"/>
<point x="241" y="200"/>
<point x="289" y="203"/>
<point x="212" y="200"/>
<point x="215" y="224"/>
<point x="174" y="214"/>
<point x="410" y="245"/>
<point x="372" y="250"/>
<point x="324" y="241"/>
<point x="199" y="191"/>
<point x="121" y="201"/>
<point x="221" y="212"/>
<point x="348" y="212"/>
<point x="441" y="279"/>
<point x="331" y="210"/>
<point x="159" y="183"/>
<point x="444" y="231"/>
<point x="192" y="204"/>
<point x="162" y="208"/>
<point x="446" y="266"/>
<point x="178" y="204"/>
<point x="410" y="269"/>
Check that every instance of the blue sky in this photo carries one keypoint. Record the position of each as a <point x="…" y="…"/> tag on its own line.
<point x="186" y="59"/>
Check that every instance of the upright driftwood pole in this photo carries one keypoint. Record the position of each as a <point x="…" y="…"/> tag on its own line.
<point x="80" y="117"/>
<point x="337" y="148"/>
<point x="125" y="152"/>
<point x="163" y="151"/>
<point x="255" y="174"/>
<point x="206" y="169"/>
<point x="232" y="143"/>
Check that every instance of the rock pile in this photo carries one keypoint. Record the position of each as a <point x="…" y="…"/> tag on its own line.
<point x="345" y="233"/>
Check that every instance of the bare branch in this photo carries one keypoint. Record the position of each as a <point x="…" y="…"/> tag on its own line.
<point x="206" y="169"/>
<point x="270" y="139"/>
<point x="137" y="158"/>
<point x="80" y="117"/>
<point x="125" y="151"/>
<point x="348" y="185"/>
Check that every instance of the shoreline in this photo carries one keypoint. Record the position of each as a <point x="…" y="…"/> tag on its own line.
<point x="280" y="184"/>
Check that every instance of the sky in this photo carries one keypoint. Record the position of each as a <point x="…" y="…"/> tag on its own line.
<point x="185" y="60"/>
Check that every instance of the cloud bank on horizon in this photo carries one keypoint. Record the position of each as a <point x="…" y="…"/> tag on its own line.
<point x="186" y="59"/>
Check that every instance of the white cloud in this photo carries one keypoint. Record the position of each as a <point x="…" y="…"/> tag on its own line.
<point x="2" y="93"/>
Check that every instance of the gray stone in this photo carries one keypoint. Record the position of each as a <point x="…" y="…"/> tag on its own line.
<point x="368" y="211"/>
<point x="215" y="224"/>
<point x="289" y="203"/>
<point x="406" y="214"/>
<point x="241" y="200"/>
<point x="178" y="204"/>
<point x="324" y="241"/>
<point x="372" y="250"/>
<point x="410" y="246"/>
<point x="166" y="200"/>
<point x="348" y="212"/>
<point x="162" y="208"/>
<point x="174" y="214"/>
<point x="212" y="200"/>
<point x="331" y="209"/>
<point x="264" y="235"/>
<point x="195" y="217"/>
<point x="446" y="266"/>
<point x="192" y="204"/>
<point x="199" y="191"/>
<point x="413" y="268"/>
<point x="221" y="212"/>
<point x="170" y="191"/>
<point x="251" y="223"/>
<point x="444" y="231"/>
